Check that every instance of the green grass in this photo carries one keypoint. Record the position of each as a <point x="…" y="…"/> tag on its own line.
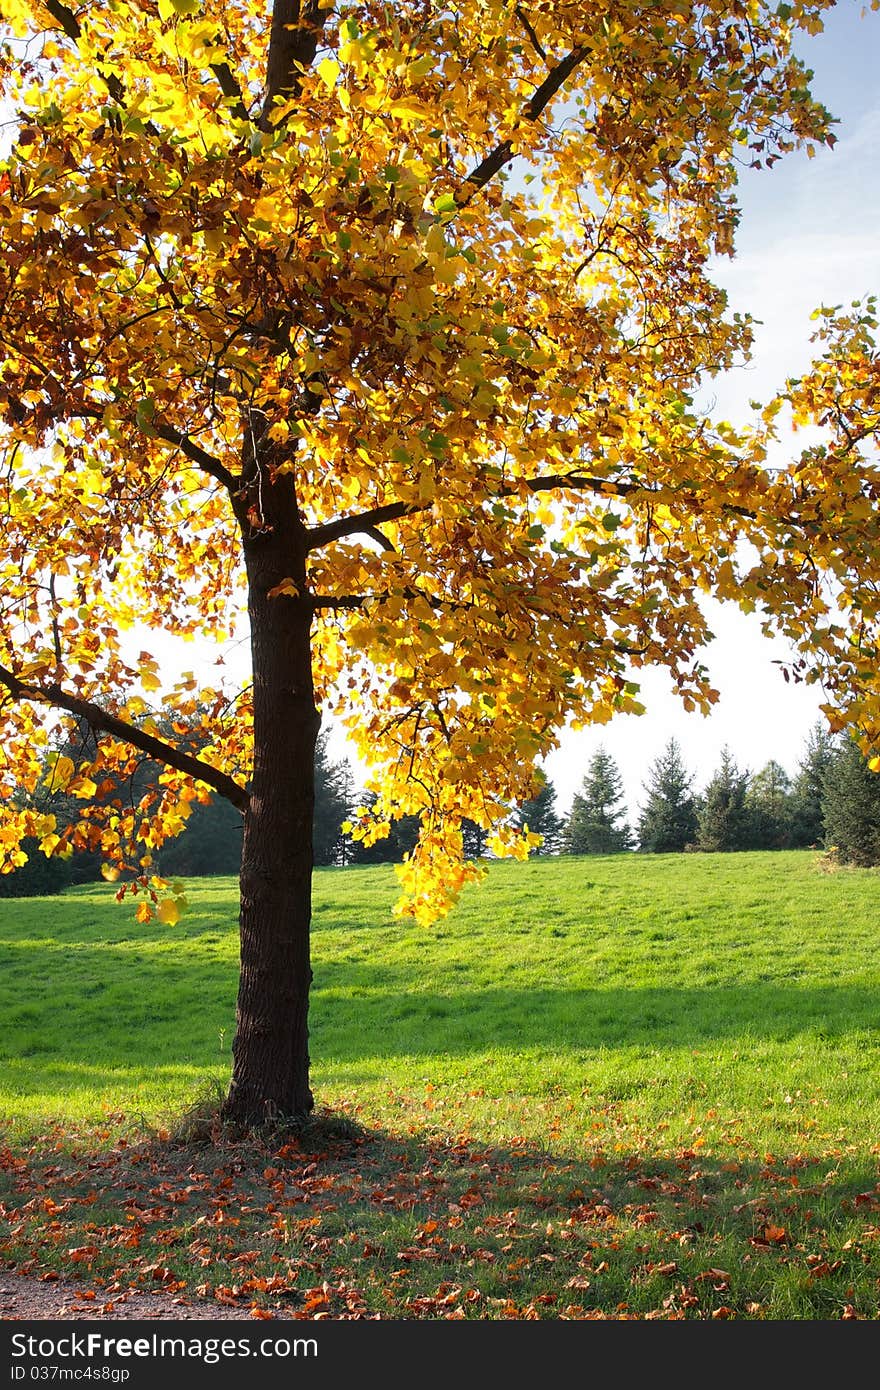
<point x="691" y="1042"/>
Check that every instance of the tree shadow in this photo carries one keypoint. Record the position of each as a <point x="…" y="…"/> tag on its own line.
<point x="423" y="1022"/>
<point x="428" y="1225"/>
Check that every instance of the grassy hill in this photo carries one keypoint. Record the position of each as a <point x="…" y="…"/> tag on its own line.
<point x="603" y="1026"/>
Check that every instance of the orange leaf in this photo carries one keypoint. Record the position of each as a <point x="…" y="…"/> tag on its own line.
<point x="775" y="1235"/>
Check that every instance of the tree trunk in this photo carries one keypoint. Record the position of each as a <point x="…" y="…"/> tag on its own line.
<point x="271" y="1056"/>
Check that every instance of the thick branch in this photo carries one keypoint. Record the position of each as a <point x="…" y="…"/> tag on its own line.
<point x="337" y="602"/>
<point x="366" y="522"/>
<point x="103" y="722"/>
<point x="69" y="24"/>
<point x="230" y="88"/>
<point x="503" y="153"/>
<point x="293" y="41"/>
<point x="64" y="18"/>
<point x="194" y="451"/>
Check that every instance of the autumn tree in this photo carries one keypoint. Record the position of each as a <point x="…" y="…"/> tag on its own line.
<point x="381" y="326"/>
<point x="668" y="819"/>
<point x="596" y="823"/>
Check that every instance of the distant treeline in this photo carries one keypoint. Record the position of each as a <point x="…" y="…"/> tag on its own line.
<point x="831" y="802"/>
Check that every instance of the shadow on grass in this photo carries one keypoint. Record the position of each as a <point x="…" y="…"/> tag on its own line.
<point x="397" y="1024"/>
<point x="430" y="1226"/>
<point x="142" y="1025"/>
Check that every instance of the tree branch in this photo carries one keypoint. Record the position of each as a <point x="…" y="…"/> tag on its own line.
<point x="103" y="722"/>
<point x="379" y="536"/>
<point x="196" y="453"/>
<point x="320" y="602"/>
<point x="503" y="153"/>
<point x="69" y="24"/>
<point x="533" y="37"/>
<point x="366" y="522"/>
<point x="293" y="41"/>
<point x="230" y="88"/>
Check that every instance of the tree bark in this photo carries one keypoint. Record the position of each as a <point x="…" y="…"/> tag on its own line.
<point x="271" y="1057"/>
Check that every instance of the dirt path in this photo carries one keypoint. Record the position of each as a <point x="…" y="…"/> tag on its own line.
<point x="23" y="1297"/>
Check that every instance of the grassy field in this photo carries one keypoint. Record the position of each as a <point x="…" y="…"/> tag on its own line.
<point x="633" y="1086"/>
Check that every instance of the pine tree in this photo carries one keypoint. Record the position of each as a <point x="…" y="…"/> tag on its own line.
<point x="332" y="804"/>
<point x="474" y="839"/>
<point x="851" y="807"/>
<point x="769" y="808"/>
<point x="349" y="794"/>
<point x="668" y="821"/>
<point x="596" y="822"/>
<point x="400" y="840"/>
<point x="539" y="814"/>
<point x="807" y="820"/>
<point x="723" y="816"/>
<point x="210" y="844"/>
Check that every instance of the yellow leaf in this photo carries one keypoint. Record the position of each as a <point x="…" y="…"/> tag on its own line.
<point x="265" y="210"/>
<point x="61" y="773"/>
<point x="328" y="71"/>
<point x="168" y="912"/>
<point x="286" y="586"/>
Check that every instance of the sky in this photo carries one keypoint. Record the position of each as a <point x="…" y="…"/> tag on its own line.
<point x="808" y="235"/>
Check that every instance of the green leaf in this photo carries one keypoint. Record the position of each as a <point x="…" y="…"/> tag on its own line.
<point x="145" y="411"/>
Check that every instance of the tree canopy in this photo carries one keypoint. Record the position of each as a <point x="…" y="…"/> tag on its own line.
<point x="386" y="323"/>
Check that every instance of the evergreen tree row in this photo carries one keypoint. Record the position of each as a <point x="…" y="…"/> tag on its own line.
<point x="832" y="802"/>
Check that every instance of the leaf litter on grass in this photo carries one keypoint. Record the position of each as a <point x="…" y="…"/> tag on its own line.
<point x="428" y="1225"/>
